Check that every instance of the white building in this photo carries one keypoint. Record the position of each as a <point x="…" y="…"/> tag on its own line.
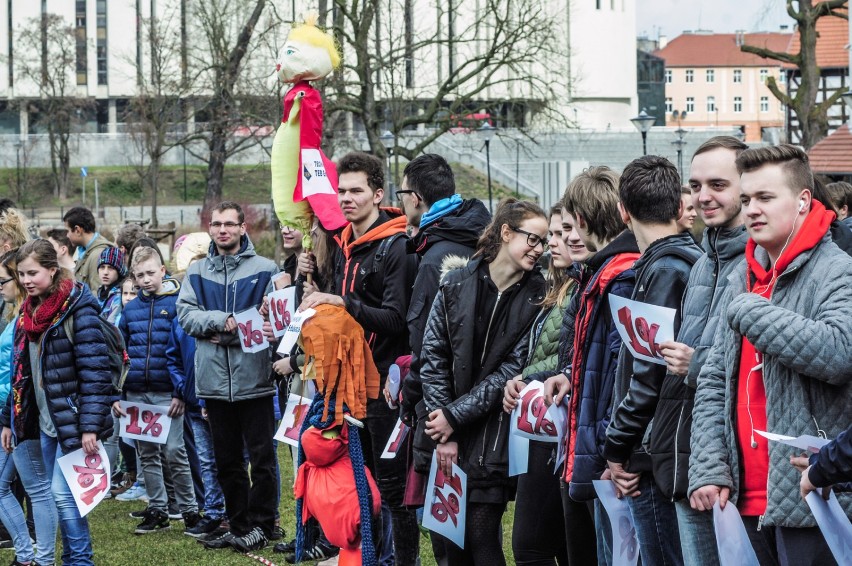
<point x="593" y="82"/>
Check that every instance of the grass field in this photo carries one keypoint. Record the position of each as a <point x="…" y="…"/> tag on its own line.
<point x="116" y="545"/>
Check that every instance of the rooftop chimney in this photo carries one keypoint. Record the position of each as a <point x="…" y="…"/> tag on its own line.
<point x="739" y="37"/>
<point x="663" y="41"/>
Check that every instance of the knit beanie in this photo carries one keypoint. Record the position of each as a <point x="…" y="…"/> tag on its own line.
<point x="114" y="257"/>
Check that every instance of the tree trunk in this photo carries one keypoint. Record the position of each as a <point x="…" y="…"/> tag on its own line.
<point x="215" y="172"/>
<point x="154" y="182"/>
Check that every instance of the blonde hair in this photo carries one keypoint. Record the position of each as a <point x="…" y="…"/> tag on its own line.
<point x="9" y="262"/>
<point x="560" y="285"/>
<point x="144" y="253"/>
<point x="14" y="228"/>
<point x="309" y="33"/>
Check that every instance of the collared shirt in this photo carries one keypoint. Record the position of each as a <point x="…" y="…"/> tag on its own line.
<point x="82" y="249"/>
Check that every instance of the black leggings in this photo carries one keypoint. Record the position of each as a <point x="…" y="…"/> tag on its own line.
<point x="538" y="535"/>
<point x="580" y="536"/>
<point x="482" y="535"/>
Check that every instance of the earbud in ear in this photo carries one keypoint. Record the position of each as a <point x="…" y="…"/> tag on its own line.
<point x="801" y="205"/>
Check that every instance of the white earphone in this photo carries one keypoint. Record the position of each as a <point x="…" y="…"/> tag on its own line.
<point x="801" y="205"/>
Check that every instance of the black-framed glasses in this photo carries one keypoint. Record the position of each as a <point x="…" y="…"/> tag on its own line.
<point x="4" y="281"/>
<point x="533" y="240"/>
<point x="228" y="225"/>
<point x="407" y="192"/>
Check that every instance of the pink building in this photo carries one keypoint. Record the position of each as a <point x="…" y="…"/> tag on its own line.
<point x="716" y="84"/>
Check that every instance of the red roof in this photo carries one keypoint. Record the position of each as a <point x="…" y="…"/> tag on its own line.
<point x="720" y="49"/>
<point x="833" y="35"/>
<point x="833" y="154"/>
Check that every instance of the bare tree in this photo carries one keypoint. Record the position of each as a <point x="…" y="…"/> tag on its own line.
<point x="47" y="61"/>
<point x="402" y="74"/>
<point x="812" y="116"/>
<point x="155" y="117"/>
<point x="228" y="103"/>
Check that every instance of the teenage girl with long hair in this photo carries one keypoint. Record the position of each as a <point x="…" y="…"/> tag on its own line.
<point x="61" y="385"/>
<point x="476" y="339"/>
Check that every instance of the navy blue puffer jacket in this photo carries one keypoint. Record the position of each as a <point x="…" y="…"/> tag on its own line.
<point x="146" y="324"/>
<point x="77" y="380"/>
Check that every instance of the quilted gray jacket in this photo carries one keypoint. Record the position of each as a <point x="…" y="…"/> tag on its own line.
<point x="804" y="334"/>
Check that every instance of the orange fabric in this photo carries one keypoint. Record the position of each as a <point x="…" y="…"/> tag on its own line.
<point x="341" y="361"/>
<point x="326" y="484"/>
<point x="393" y="226"/>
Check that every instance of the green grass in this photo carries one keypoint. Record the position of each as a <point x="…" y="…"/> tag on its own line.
<point x="115" y="544"/>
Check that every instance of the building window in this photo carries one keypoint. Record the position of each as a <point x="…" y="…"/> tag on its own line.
<point x="690" y="104"/>
<point x="668" y="76"/>
<point x="764" y="104"/>
<point x="711" y="104"/>
<point x="738" y="104"/>
<point x="80" y="36"/>
<point x="738" y="75"/>
<point x="711" y="76"/>
<point x="102" y="41"/>
<point x="764" y="73"/>
<point x="690" y="76"/>
<point x="669" y="105"/>
<point x="782" y="77"/>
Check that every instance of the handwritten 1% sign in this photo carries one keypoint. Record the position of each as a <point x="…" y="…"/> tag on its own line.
<point x="642" y="327"/>
<point x="291" y="421"/>
<point x="150" y="423"/>
<point x="533" y="419"/>
<point x="396" y="440"/>
<point x="87" y="475"/>
<point x="250" y="330"/>
<point x="445" y="509"/>
<point x="282" y="307"/>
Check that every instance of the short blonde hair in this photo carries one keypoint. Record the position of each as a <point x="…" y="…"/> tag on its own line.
<point x="14" y="228"/>
<point x="144" y="253"/>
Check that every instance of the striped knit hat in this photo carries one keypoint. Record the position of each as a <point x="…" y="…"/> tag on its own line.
<point x="114" y="257"/>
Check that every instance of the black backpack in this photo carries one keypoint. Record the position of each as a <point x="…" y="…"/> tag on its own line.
<point x="119" y="361"/>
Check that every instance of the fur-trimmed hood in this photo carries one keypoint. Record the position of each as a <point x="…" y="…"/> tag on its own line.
<point x="452" y="262"/>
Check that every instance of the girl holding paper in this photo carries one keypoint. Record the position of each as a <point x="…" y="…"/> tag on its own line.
<point x="539" y="531"/>
<point x="61" y="384"/>
<point x="476" y="339"/>
<point x="26" y="459"/>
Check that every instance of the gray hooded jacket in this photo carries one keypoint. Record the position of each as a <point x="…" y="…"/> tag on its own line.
<point x="214" y="289"/>
<point x="803" y="332"/>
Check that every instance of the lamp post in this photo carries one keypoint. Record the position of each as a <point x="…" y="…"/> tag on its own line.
<point x="486" y="132"/>
<point x="679" y="143"/>
<point x="643" y="123"/>
<point x="387" y="140"/>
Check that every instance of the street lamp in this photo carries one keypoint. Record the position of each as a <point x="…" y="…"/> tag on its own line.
<point x="486" y="132"/>
<point x="643" y="123"/>
<point x="679" y="143"/>
<point x="387" y="140"/>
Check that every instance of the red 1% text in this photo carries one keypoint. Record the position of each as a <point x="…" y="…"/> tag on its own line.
<point x="446" y="503"/>
<point x="280" y="314"/>
<point x="643" y="336"/>
<point x="86" y="477"/>
<point x="531" y="418"/>
<point x="149" y="419"/>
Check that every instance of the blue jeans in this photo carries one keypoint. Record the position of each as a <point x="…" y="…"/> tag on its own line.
<point x="29" y="463"/>
<point x="214" y="499"/>
<point x="76" y="540"/>
<point x="697" y="535"/>
<point x="656" y="525"/>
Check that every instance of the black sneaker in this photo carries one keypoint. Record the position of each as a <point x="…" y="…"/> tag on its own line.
<point x="139" y="514"/>
<point x="253" y="540"/>
<point x="205" y="526"/>
<point x="222" y="541"/>
<point x="155" y="521"/>
<point x="319" y="552"/>
<point x="285" y="547"/>
<point x="277" y="534"/>
<point x="174" y="513"/>
<point x="190" y="519"/>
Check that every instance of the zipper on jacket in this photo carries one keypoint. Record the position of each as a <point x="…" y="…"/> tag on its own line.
<point x="760" y="522"/>
<point x="677" y="433"/>
<point x="499" y="426"/>
<point x="70" y="403"/>
<point x="148" y="349"/>
<point x="488" y="330"/>
<point x="484" y="440"/>
<point x="227" y="349"/>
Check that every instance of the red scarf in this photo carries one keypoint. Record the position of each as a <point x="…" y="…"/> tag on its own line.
<point x="36" y="320"/>
<point x="751" y="392"/>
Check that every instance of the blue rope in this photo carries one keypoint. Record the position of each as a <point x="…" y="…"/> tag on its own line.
<point x="305" y="539"/>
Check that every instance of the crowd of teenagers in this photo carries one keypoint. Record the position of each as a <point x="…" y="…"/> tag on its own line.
<point x="473" y="307"/>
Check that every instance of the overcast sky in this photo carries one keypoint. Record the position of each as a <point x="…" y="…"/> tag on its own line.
<point x="672" y="17"/>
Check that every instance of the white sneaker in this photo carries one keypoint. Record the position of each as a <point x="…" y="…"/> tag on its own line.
<point x="135" y="493"/>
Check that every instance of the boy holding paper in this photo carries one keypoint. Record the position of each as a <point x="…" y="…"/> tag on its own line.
<point x="650" y="205"/>
<point x="779" y="362"/>
<point x="146" y="324"/>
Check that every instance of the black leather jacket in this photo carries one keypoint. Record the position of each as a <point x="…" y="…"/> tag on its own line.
<point x="471" y="400"/>
<point x="661" y="276"/>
